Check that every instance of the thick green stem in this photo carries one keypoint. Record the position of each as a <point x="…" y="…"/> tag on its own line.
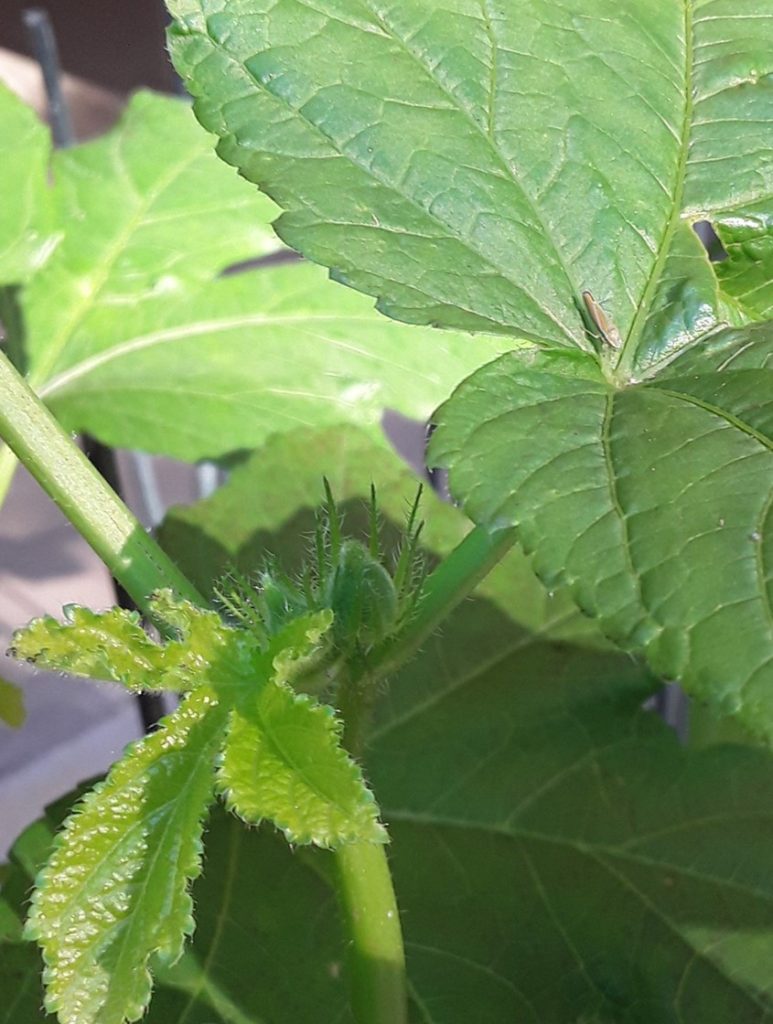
<point x="377" y="961"/>
<point x="66" y="475"/>
<point x="376" y="957"/>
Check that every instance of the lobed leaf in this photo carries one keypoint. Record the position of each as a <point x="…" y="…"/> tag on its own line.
<point x="115" y="890"/>
<point x="486" y="165"/>
<point x="130" y="319"/>
<point x="283" y="760"/>
<point x="125" y="203"/>
<point x="653" y="503"/>
<point x="480" y="165"/>
<point x="113" y="645"/>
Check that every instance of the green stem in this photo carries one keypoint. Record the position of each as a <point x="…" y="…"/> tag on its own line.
<point x="376" y="957"/>
<point x="66" y="475"/>
<point x="447" y="586"/>
<point x="377" y="960"/>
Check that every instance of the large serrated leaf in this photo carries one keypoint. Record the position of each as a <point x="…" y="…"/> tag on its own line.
<point x="517" y="153"/>
<point x="545" y="163"/>
<point x="115" y="890"/>
<point x="653" y="503"/>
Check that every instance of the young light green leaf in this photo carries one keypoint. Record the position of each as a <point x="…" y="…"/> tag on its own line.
<point x="113" y="645"/>
<point x="115" y="890"/>
<point x="283" y="760"/>
<point x="27" y="233"/>
<point x="492" y="146"/>
<point x="652" y="503"/>
<point x="11" y="704"/>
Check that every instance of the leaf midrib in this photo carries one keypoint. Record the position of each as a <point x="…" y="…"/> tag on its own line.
<point x="56" y="345"/>
<point x="187" y="331"/>
<point x="628" y="352"/>
<point x="69" y="907"/>
<point x="127" y="945"/>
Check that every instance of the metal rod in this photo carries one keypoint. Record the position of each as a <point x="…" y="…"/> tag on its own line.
<point x="42" y="40"/>
<point x="40" y="33"/>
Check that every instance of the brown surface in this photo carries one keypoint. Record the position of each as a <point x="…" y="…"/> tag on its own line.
<point x="113" y="43"/>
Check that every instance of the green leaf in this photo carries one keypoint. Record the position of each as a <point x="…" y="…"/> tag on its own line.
<point x="561" y="855"/>
<point x="283" y="761"/>
<point x="524" y="155"/>
<point x="113" y="645"/>
<point x="148" y="215"/>
<point x="747" y="273"/>
<point x="11" y="704"/>
<point x="652" y="503"/>
<point x="516" y="153"/>
<point x="26" y="228"/>
<point x="115" y="890"/>
<point x="282" y="757"/>
<point x="254" y="354"/>
<point x="130" y="323"/>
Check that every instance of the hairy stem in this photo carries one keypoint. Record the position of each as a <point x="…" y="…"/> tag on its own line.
<point x="376" y="956"/>
<point x="376" y="959"/>
<point x="66" y="475"/>
<point x="447" y="586"/>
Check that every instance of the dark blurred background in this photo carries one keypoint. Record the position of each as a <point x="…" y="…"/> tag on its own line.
<point x="118" y="44"/>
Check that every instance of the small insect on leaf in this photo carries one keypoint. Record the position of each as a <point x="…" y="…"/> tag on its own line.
<point x="609" y="333"/>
